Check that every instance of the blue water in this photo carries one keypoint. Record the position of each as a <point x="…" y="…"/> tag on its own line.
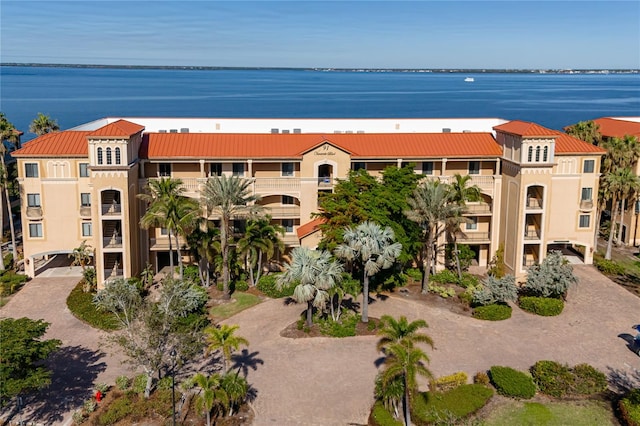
<point x="74" y="96"/>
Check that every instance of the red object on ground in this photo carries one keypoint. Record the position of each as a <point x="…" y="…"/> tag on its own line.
<point x="98" y="396"/>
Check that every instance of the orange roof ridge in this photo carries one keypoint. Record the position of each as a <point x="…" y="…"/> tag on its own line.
<point x="614" y="127"/>
<point x="524" y="128"/>
<point x="310" y="227"/>
<point x="119" y="128"/>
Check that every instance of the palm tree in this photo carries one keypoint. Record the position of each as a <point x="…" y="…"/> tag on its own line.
<point x="236" y="388"/>
<point x="224" y="338"/>
<point x="211" y="394"/>
<point x="169" y="209"/>
<point x="615" y="184"/>
<point x="401" y="331"/>
<point x="8" y="134"/>
<point x="204" y="242"/>
<point x="406" y="362"/>
<point x="315" y="272"/>
<point x="588" y="131"/>
<point x="229" y="198"/>
<point x="261" y="238"/>
<point x="373" y="248"/>
<point x="630" y="185"/>
<point x="81" y="255"/>
<point x="431" y="204"/>
<point x="461" y="194"/>
<point x="43" y="124"/>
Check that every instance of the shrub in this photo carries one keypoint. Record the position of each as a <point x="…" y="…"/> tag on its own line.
<point x="78" y="417"/>
<point x="496" y="290"/>
<point x="415" y="274"/>
<point x="608" y="267"/>
<point x="267" y="285"/>
<point x="496" y="265"/>
<point x="139" y="383"/>
<point x="445" y="277"/>
<point x="468" y="280"/>
<point x="444" y="292"/>
<point x="81" y="306"/>
<point x="102" y="387"/>
<point x="451" y="381"/>
<point x="345" y="327"/>
<point x="191" y="273"/>
<point x="481" y="378"/>
<point x="240" y="286"/>
<point x="380" y="416"/>
<point x="458" y="403"/>
<point x="492" y="312"/>
<point x="116" y="411"/>
<point x="512" y="383"/>
<point x="10" y="282"/>
<point x="123" y="382"/>
<point x="164" y="383"/>
<point x="630" y="408"/>
<point x="588" y="380"/>
<point x="552" y="378"/>
<point x="89" y="406"/>
<point x="544" y="306"/>
<point x="552" y="278"/>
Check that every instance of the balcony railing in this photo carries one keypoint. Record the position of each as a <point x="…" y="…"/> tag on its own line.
<point x="473" y="236"/>
<point x="478" y="208"/>
<point x="527" y="263"/>
<point x="532" y="234"/>
<point x="284" y="211"/>
<point x="34" y="212"/>
<point x="112" y="209"/>
<point x="112" y="242"/>
<point x="534" y="203"/>
<point x="112" y="274"/>
<point x="85" y="211"/>
<point x="291" y="239"/>
<point x="485" y="183"/>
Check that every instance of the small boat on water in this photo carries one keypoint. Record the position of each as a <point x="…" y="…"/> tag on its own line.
<point x="469" y="79"/>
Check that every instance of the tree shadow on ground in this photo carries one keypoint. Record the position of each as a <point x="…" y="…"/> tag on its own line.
<point x="244" y="361"/>
<point x="623" y="380"/>
<point x="74" y="371"/>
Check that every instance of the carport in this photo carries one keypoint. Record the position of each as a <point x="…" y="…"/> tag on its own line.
<point x="51" y="264"/>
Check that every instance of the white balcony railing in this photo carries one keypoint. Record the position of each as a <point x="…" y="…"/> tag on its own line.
<point x="485" y="183"/>
<point x="284" y="211"/>
<point x="112" y="209"/>
<point x="112" y="242"/>
<point x="472" y="236"/>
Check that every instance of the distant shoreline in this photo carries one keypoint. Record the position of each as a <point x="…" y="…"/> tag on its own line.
<point x="379" y="70"/>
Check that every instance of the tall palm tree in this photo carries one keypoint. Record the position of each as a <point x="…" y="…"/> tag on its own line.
<point x="229" y="198"/>
<point x="236" y="388"/>
<point x="224" y="338"/>
<point x="204" y="242"/>
<point x="315" y="272"/>
<point x="431" y="205"/>
<point x="615" y="183"/>
<point x="401" y="331"/>
<point x="8" y="134"/>
<point x="406" y="362"/>
<point x="261" y="239"/>
<point x="43" y="124"/>
<point x="629" y="186"/>
<point x="374" y="248"/>
<point x="588" y="131"/>
<point x="461" y="193"/>
<point x="212" y="394"/>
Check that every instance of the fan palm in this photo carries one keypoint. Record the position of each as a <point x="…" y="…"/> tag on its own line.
<point x="212" y="394"/>
<point x="43" y="124"/>
<point x="224" y="338"/>
<point x="374" y="248"/>
<point x="315" y="272"/>
<point x="229" y="198"/>
<point x="8" y="134"/>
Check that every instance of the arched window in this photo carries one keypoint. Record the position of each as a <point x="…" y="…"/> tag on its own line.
<point x="537" y="154"/>
<point x="530" y="154"/>
<point x="99" y="155"/>
<point x="108" y="155"/>
<point x="117" y="150"/>
<point x="545" y="152"/>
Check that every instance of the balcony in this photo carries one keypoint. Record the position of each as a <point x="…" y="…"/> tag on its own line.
<point x="85" y="211"/>
<point x="34" y="212"/>
<point x="112" y="209"/>
<point x="284" y="211"/>
<point x="485" y="183"/>
<point x="477" y="208"/>
<point x="473" y="237"/>
<point x="529" y="262"/>
<point x="586" y="205"/>
<point x="534" y="203"/>
<point x="112" y="242"/>
<point x="291" y="240"/>
<point x="532" y="234"/>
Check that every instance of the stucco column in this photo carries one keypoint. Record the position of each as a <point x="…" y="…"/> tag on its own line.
<point x="399" y="160"/>
<point x="203" y="173"/>
<point x="250" y="168"/>
<point x="443" y="169"/>
<point x="29" y="267"/>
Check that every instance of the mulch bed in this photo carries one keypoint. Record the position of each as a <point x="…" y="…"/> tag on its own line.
<point x="362" y="329"/>
<point x="412" y="291"/>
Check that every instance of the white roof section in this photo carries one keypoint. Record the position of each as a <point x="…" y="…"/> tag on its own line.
<point x="304" y="125"/>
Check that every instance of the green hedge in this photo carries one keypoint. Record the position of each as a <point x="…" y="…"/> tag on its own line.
<point x="608" y="267"/>
<point x="10" y="282"/>
<point x="512" y="383"/>
<point x="543" y="306"/>
<point x="267" y="285"/>
<point x="430" y="407"/>
<point x="588" y="380"/>
<point x="630" y="408"/>
<point x="492" y="312"/>
<point x="81" y="305"/>
<point x="552" y="378"/>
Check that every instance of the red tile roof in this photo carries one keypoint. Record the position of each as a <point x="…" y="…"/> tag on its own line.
<point x="565" y="144"/>
<point x="309" y="227"/>
<point x="367" y="145"/>
<point x="119" y="129"/>
<point x="69" y="143"/>
<point x="613" y="128"/>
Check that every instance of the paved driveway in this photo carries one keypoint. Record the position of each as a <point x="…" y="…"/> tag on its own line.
<point x="83" y="359"/>
<point x="322" y="381"/>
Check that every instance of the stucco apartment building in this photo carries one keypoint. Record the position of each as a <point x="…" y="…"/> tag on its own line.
<point x="538" y="185"/>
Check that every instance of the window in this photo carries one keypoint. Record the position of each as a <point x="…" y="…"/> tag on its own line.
<point x="545" y="153"/>
<point x="100" y="159"/>
<point x="33" y="200"/>
<point x="588" y="166"/>
<point x="86" y="229"/>
<point x="287" y="169"/>
<point x="474" y="167"/>
<point x="163" y="231"/>
<point x="85" y="199"/>
<point x="117" y="150"/>
<point x="538" y="154"/>
<point x="286" y="199"/>
<point x="215" y="169"/>
<point x="84" y="169"/>
<point x="530" y="154"/>
<point x="31" y="170"/>
<point x="472" y="224"/>
<point x="427" y="167"/>
<point x="164" y="169"/>
<point x="587" y="194"/>
<point x="584" y="220"/>
<point x="287" y="224"/>
<point x="35" y="230"/>
<point x="109" y="159"/>
<point x="358" y="165"/>
<point x="238" y="169"/>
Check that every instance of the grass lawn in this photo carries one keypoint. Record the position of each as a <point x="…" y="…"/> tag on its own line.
<point x="578" y="413"/>
<point x="239" y="302"/>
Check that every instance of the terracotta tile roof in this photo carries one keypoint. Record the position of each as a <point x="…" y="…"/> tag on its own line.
<point x="120" y="129"/>
<point x="309" y="227"/>
<point x="367" y="145"/>
<point x="70" y="143"/>
<point x="565" y="144"/>
<point x="613" y="128"/>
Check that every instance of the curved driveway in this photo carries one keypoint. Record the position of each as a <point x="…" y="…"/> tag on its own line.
<point x="323" y="381"/>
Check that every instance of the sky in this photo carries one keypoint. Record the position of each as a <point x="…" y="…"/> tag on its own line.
<point x="325" y="34"/>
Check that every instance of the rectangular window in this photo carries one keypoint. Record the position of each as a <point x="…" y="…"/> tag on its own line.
<point x="216" y="169"/>
<point x="85" y="199"/>
<point x="31" y="170"/>
<point x="287" y="224"/>
<point x="163" y="231"/>
<point x="588" y="166"/>
<point x="427" y="167"/>
<point x="164" y="169"/>
<point x="472" y="223"/>
<point x="358" y="165"/>
<point x="474" y="167"/>
<point x="286" y="199"/>
<point x="585" y="220"/>
<point x="33" y="200"/>
<point x="287" y="169"/>
<point x="35" y="230"/>
<point x="587" y="194"/>
<point x="238" y="169"/>
<point x="86" y="229"/>
<point x="84" y="169"/>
